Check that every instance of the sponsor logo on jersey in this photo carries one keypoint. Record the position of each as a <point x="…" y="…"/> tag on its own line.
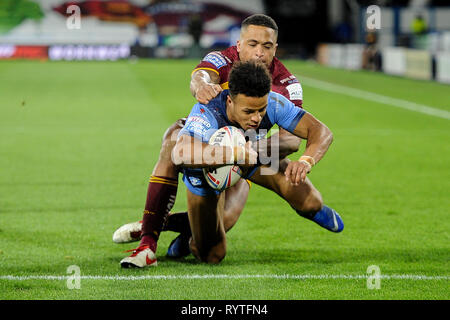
<point x="200" y="120"/>
<point x="295" y="91"/>
<point x="216" y="59"/>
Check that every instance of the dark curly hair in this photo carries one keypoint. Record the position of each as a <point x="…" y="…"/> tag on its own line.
<point x="260" y="20"/>
<point x="250" y="78"/>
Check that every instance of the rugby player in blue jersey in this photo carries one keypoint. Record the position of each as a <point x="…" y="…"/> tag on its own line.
<point x="250" y="105"/>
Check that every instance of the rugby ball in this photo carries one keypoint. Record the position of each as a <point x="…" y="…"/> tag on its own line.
<point x="222" y="178"/>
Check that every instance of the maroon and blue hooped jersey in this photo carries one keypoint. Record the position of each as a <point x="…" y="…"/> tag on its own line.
<point x="204" y="120"/>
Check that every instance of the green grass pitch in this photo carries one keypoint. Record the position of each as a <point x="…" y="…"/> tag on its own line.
<point x="78" y="141"/>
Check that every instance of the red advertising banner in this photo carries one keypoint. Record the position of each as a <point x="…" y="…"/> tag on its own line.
<point x="24" y="52"/>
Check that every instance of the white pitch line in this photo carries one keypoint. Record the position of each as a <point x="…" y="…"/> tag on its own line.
<point x="226" y="276"/>
<point x="375" y="97"/>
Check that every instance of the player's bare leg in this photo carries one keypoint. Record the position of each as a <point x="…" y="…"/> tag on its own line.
<point x="304" y="198"/>
<point x="235" y="199"/>
<point x="208" y="242"/>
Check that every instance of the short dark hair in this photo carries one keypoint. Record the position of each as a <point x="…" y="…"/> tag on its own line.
<point x="260" y="20"/>
<point x="250" y="78"/>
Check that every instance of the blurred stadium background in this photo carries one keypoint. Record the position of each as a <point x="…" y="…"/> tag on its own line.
<point x="83" y="108"/>
<point x="413" y="38"/>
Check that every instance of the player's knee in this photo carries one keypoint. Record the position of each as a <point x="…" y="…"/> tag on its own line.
<point x="215" y="256"/>
<point x="212" y="255"/>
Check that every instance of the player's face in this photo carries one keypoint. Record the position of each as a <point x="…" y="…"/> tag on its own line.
<point x="247" y="112"/>
<point x="257" y="43"/>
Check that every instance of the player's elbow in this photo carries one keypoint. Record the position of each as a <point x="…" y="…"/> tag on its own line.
<point x="325" y="134"/>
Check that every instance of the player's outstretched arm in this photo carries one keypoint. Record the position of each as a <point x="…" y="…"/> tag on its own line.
<point x="318" y="139"/>
<point x="190" y="152"/>
<point x="205" y="85"/>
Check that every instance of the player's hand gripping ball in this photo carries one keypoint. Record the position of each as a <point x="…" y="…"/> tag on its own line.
<point x="224" y="177"/>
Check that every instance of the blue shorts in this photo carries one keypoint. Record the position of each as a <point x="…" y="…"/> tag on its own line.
<point x="196" y="182"/>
